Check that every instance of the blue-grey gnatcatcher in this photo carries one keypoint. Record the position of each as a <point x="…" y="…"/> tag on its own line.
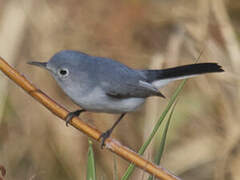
<point x="100" y="84"/>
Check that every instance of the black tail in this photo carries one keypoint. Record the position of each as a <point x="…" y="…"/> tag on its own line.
<point x="180" y="71"/>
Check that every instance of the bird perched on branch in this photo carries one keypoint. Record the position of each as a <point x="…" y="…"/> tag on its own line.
<point x="99" y="84"/>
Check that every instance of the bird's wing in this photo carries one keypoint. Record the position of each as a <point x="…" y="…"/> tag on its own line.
<point x="125" y="83"/>
<point x="142" y="90"/>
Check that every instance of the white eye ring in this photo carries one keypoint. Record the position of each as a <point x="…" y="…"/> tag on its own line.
<point x="63" y="72"/>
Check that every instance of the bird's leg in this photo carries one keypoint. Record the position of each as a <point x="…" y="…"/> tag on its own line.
<point x="73" y="114"/>
<point x="107" y="133"/>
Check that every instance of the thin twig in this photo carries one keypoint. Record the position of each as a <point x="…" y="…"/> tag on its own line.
<point x="61" y="112"/>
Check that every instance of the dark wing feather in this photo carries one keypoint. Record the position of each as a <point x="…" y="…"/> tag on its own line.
<point x="142" y="90"/>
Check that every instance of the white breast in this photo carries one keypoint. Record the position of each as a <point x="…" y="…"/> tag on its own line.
<point x="98" y="101"/>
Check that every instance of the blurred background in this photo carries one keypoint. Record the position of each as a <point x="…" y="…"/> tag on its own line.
<point x="204" y="136"/>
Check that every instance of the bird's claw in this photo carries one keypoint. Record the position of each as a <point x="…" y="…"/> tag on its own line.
<point x="104" y="136"/>
<point x="69" y="117"/>
<point x="72" y="115"/>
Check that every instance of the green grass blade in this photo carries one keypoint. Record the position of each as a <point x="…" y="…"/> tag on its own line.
<point x="91" y="171"/>
<point x="162" y="141"/>
<point x="131" y="167"/>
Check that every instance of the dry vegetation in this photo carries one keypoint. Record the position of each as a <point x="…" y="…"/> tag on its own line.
<point x="204" y="138"/>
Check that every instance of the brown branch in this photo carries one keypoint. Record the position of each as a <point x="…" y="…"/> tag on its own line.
<point x="61" y="112"/>
<point x="2" y="171"/>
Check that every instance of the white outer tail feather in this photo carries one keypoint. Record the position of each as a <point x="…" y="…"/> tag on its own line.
<point x="162" y="82"/>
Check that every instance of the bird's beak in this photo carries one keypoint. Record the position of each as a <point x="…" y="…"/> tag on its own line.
<point x="39" y="64"/>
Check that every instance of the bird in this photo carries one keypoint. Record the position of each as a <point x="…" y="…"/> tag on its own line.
<point x="100" y="84"/>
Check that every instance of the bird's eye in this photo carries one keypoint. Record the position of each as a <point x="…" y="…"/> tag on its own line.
<point x="63" y="72"/>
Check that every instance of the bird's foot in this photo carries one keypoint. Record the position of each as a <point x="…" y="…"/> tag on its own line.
<point x="72" y="115"/>
<point x="104" y="136"/>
